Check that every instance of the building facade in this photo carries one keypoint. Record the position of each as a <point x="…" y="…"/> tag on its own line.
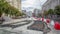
<point x="36" y="12"/>
<point x="50" y="4"/>
<point x="15" y="3"/>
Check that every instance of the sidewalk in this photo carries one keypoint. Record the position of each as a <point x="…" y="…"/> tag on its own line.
<point x="14" y="21"/>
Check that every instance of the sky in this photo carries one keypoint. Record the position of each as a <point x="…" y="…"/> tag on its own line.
<point x="31" y="4"/>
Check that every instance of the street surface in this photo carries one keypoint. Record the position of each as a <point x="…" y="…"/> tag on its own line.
<point x="21" y="27"/>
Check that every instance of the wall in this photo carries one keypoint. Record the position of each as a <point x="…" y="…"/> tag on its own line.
<point x="50" y="4"/>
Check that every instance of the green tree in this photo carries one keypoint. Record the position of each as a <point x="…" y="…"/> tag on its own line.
<point x="45" y="13"/>
<point x="3" y="6"/>
<point x="50" y="12"/>
<point x="6" y="8"/>
<point x="0" y="13"/>
<point x="57" y="10"/>
<point x="14" y="11"/>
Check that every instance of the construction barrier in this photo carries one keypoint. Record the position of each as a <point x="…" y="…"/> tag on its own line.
<point x="47" y="20"/>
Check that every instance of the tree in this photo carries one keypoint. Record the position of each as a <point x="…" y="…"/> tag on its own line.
<point x="0" y="13"/>
<point x="3" y="6"/>
<point x="45" y="13"/>
<point x="57" y="10"/>
<point x="14" y="11"/>
<point x="50" y="12"/>
<point x="6" y="8"/>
